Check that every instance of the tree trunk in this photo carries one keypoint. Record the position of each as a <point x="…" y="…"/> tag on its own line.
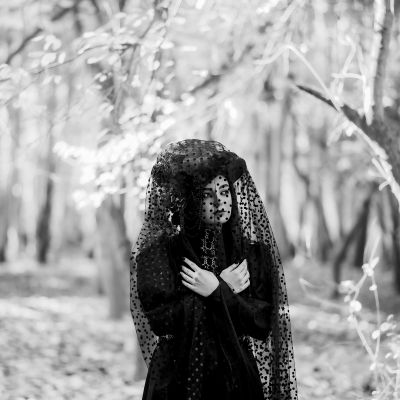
<point x="6" y="166"/>
<point x="43" y="233"/>
<point x="274" y="174"/>
<point x="113" y="250"/>
<point x="341" y="255"/>
<point x="361" y="239"/>
<point x="322" y="233"/>
<point x="395" y="242"/>
<point x="384" y="214"/>
<point x="3" y="225"/>
<point x="43" y="236"/>
<point x="318" y="151"/>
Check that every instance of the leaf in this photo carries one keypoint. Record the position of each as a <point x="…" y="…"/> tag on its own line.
<point x="375" y="334"/>
<point x="37" y="38"/>
<point x="355" y="306"/>
<point x="47" y="59"/>
<point x="114" y="58"/>
<point x="94" y="60"/>
<point x="167" y="45"/>
<point x="51" y="43"/>
<point x="61" y="57"/>
<point x="385" y="326"/>
<point x="88" y="35"/>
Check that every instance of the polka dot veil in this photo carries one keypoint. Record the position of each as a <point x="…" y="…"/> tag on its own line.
<point x="202" y="204"/>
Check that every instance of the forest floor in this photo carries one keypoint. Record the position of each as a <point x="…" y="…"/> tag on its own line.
<point x="58" y="343"/>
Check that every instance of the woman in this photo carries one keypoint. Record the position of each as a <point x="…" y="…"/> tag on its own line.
<point x="208" y="295"/>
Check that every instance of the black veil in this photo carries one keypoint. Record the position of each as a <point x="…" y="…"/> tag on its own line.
<point x="171" y="321"/>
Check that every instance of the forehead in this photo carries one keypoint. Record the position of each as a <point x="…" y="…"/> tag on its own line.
<point x="219" y="180"/>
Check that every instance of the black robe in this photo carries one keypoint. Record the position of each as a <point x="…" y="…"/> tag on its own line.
<point x="203" y="341"/>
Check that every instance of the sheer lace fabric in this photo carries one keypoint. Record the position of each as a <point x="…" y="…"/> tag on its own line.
<point x="227" y="345"/>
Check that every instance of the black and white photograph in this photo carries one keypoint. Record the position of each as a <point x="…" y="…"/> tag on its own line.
<point x="199" y="200"/>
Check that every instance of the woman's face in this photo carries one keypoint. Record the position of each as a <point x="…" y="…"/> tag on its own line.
<point x="217" y="201"/>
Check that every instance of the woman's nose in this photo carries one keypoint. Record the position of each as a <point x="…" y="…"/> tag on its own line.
<point x="217" y="200"/>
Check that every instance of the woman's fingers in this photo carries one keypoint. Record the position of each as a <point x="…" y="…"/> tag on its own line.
<point x="190" y="274"/>
<point x="247" y="284"/>
<point x="237" y="266"/>
<point x="237" y="274"/>
<point x="191" y="264"/>
<point x="188" y="271"/>
<point x="241" y="273"/>
<point x="187" y="277"/>
<point x="189" y="285"/>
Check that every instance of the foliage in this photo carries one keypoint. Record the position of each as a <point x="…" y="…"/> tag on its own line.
<point x="126" y="77"/>
<point x="385" y="367"/>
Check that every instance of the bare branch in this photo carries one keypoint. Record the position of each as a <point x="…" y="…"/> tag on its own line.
<point x="212" y="78"/>
<point x="350" y="113"/>
<point x="316" y="94"/>
<point x="58" y="15"/>
<point x="383" y="21"/>
<point x="379" y="131"/>
<point x="22" y="45"/>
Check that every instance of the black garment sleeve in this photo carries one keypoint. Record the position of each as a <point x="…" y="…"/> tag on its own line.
<point x="250" y="316"/>
<point x="250" y="310"/>
<point x="162" y="302"/>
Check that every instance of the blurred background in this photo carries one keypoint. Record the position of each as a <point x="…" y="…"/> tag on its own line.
<point x="91" y="90"/>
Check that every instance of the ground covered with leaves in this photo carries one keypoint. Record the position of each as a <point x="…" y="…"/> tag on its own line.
<point x="57" y="341"/>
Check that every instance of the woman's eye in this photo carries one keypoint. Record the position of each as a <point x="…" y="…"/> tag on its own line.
<point x="225" y="192"/>
<point x="206" y="195"/>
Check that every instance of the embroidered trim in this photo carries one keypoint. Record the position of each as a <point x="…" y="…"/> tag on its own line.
<point x="208" y="258"/>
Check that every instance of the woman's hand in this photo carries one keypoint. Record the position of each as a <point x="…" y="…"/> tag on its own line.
<point x="237" y="276"/>
<point x="198" y="279"/>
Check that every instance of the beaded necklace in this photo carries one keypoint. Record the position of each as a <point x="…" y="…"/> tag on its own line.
<point x="208" y="256"/>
